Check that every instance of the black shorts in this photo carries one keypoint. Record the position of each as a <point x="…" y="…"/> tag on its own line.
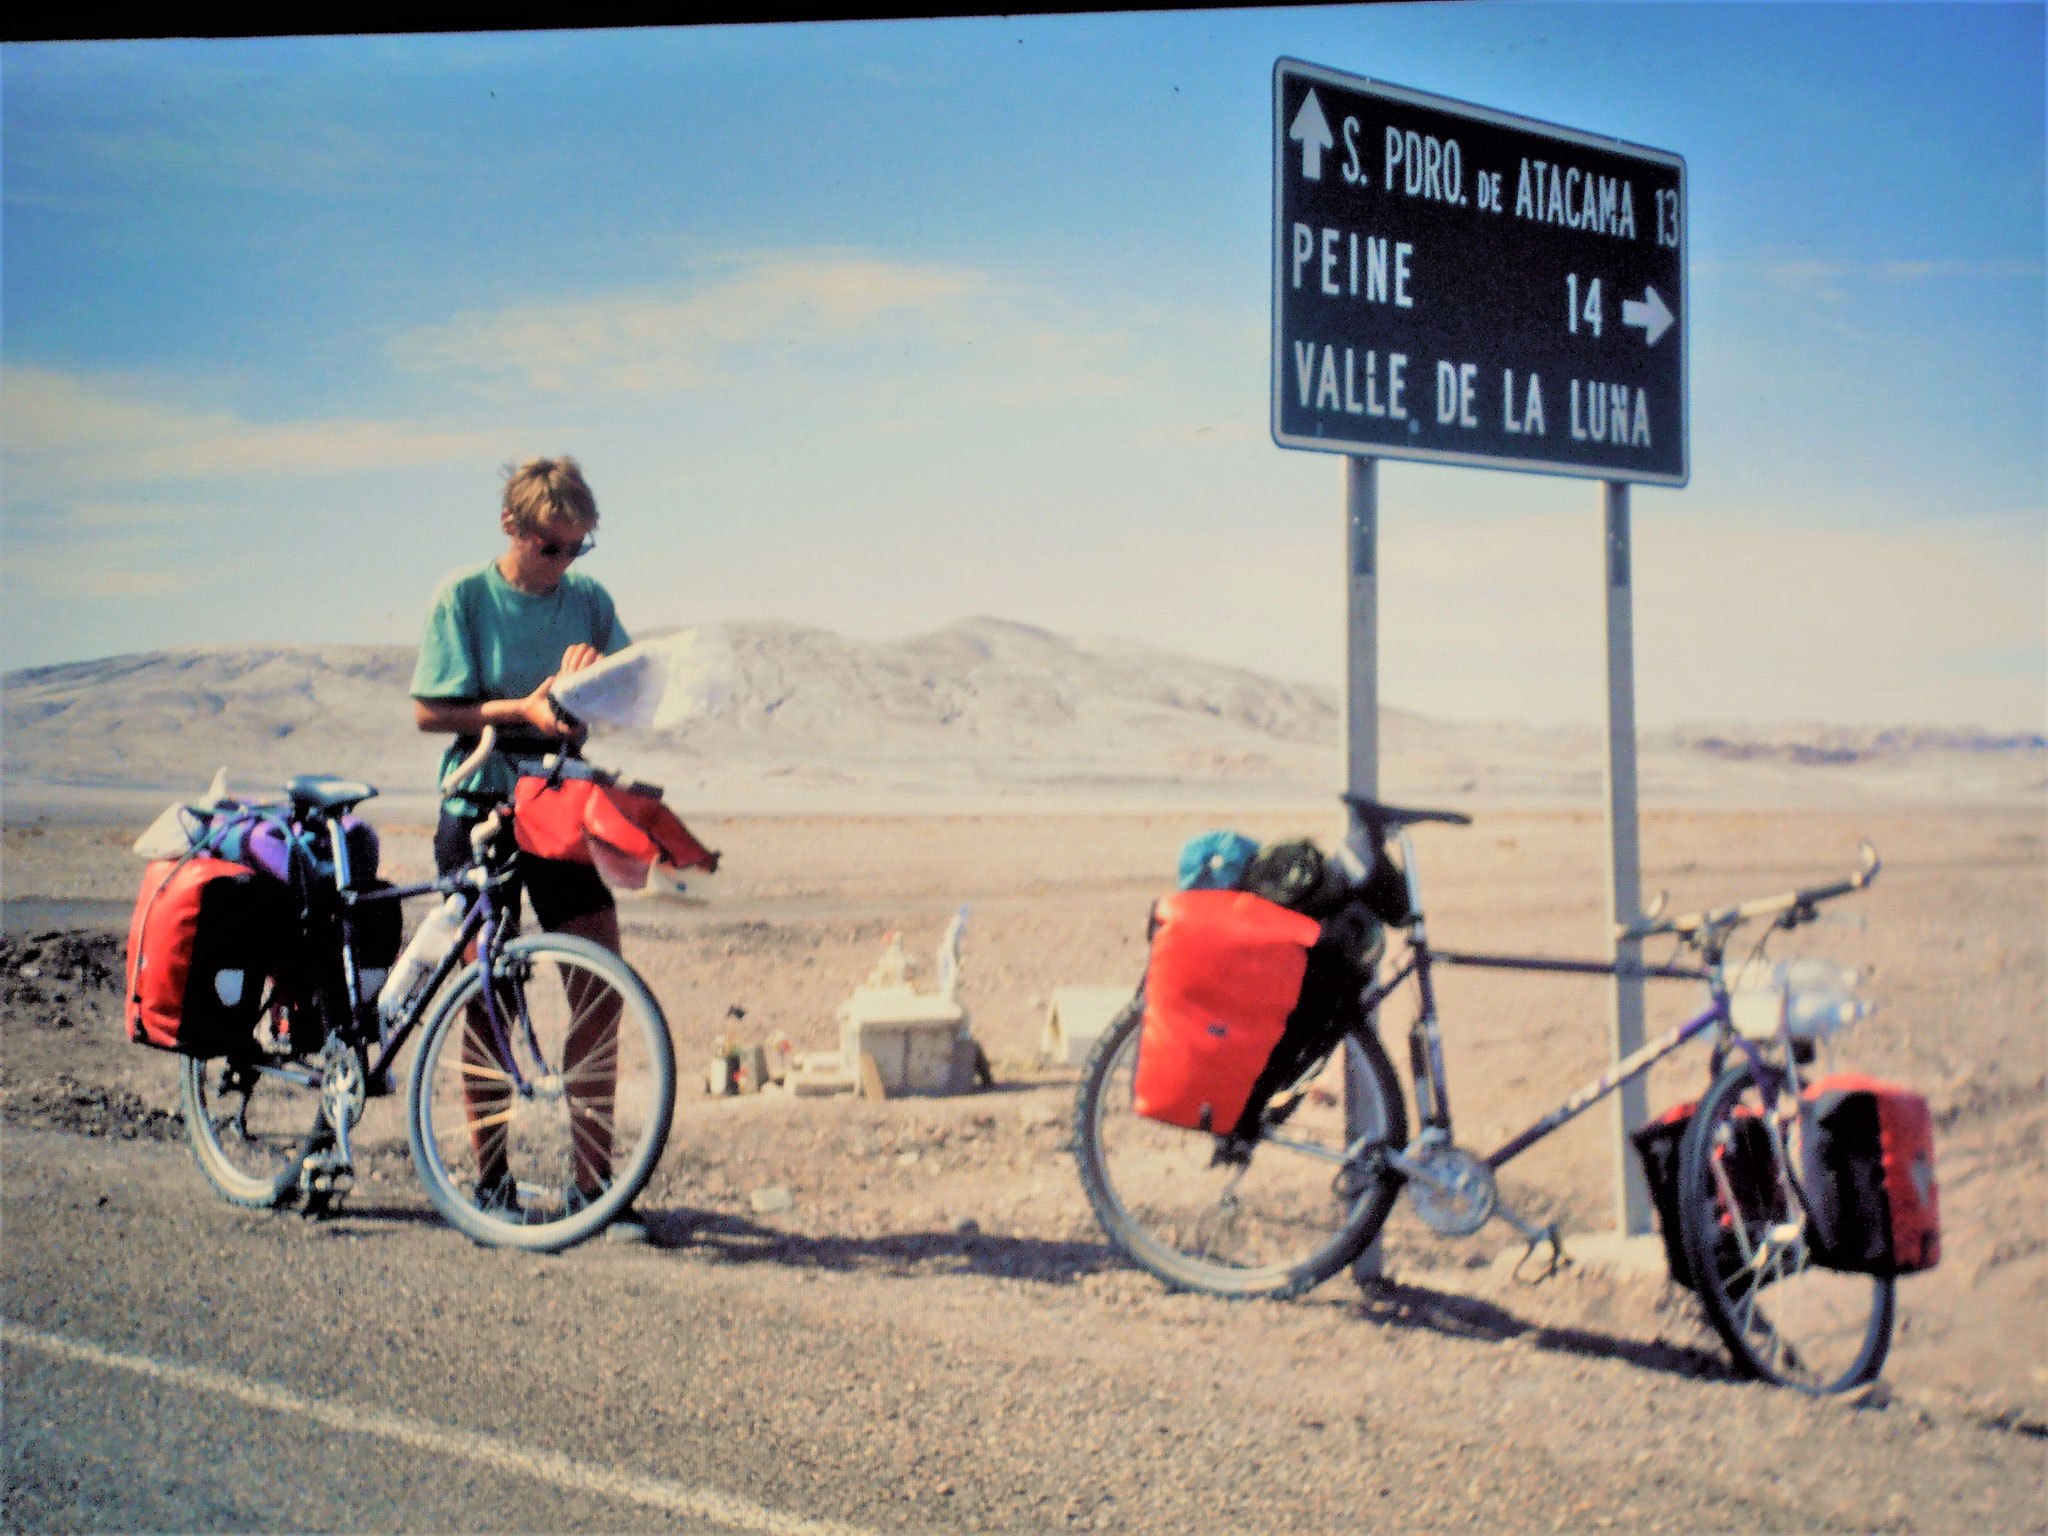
<point x="560" y="891"/>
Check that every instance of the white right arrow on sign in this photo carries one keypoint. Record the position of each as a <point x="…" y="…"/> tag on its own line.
<point x="1312" y="131"/>
<point x="1650" y="314"/>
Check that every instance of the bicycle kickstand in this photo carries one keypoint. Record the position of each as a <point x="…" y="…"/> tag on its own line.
<point x="1535" y="1237"/>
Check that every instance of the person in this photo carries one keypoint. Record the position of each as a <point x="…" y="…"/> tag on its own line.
<point x="496" y="639"/>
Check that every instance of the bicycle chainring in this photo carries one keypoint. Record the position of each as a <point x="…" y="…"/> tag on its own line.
<point x="1465" y="1196"/>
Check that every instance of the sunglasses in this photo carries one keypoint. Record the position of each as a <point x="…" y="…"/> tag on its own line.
<point x="548" y="549"/>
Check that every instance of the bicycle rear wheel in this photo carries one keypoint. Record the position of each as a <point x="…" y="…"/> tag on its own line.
<point x="1275" y="1221"/>
<point x="538" y="1140"/>
<point x="1783" y="1318"/>
<point x="251" y="1123"/>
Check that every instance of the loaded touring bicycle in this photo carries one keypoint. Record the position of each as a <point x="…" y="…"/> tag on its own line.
<point x="539" y="1099"/>
<point x="1790" y="1198"/>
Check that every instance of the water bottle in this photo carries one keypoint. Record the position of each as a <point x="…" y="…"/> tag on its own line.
<point x="436" y="936"/>
<point x="1810" y="999"/>
<point x="1820" y="999"/>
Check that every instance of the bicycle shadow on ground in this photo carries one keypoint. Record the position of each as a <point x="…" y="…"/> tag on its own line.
<point x="1395" y="1304"/>
<point x="737" y="1240"/>
<point x="361" y="1219"/>
<point x="1386" y="1303"/>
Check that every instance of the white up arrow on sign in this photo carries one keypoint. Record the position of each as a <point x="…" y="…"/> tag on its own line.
<point x="1651" y="314"/>
<point x="1312" y="131"/>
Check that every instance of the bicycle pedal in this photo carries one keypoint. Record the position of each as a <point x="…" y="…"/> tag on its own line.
<point x="320" y="1174"/>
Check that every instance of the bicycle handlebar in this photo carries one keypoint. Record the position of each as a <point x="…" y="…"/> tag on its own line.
<point x="1692" y="924"/>
<point x="486" y="744"/>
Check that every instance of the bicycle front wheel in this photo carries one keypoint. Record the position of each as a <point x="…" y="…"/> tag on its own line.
<point x="536" y="1119"/>
<point x="1783" y="1317"/>
<point x="1273" y="1219"/>
<point x="251" y="1123"/>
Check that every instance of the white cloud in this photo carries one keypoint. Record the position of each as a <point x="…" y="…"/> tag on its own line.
<point x="121" y="550"/>
<point x="837" y="328"/>
<point x="65" y="433"/>
<point x="669" y="339"/>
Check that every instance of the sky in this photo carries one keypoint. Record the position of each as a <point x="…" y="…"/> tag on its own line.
<point x="878" y="325"/>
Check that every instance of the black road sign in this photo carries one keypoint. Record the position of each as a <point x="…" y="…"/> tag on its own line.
<point x="1454" y="284"/>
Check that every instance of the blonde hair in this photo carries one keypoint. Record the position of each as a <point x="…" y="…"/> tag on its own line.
<point x="545" y="490"/>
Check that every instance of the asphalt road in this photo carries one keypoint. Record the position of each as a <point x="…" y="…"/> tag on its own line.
<point x="172" y="1363"/>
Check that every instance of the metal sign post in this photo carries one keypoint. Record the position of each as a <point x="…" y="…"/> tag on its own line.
<point x="1459" y="285"/>
<point x="1361" y="740"/>
<point x="1624" y="864"/>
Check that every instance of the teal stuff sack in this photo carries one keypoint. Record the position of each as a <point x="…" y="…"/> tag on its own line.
<point x="1215" y="861"/>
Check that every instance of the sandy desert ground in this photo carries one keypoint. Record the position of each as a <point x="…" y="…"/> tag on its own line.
<point x="1954" y="928"/>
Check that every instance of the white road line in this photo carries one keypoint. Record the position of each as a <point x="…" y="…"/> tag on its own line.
<point x="562" y="1471"/>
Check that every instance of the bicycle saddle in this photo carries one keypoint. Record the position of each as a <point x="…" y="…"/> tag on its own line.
<point x="1390" y="816"/>
<point x="323" y="792"/>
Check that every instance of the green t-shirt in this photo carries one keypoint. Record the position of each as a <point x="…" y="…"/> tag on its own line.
<point x="485" y="639"/>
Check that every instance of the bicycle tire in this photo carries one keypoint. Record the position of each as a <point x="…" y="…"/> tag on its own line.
<point x="548" y="1146"/>
<point x="1783" y="1318"/>
<point x="250" y="1126"/>
<point x="1169" y="1208"/>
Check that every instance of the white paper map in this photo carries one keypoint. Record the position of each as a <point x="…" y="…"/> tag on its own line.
<point x="656" y="684"/>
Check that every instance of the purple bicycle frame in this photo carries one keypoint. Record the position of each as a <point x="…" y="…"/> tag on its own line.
<point x="483" y="923"/>
<point x="1429" y="1067"/>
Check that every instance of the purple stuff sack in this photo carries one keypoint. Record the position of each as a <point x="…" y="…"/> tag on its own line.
<point x="255" y="841"/>
<point x="262" y="841"/>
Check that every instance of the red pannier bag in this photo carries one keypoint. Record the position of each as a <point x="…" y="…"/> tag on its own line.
<point x="1225" y="972"/>
<point x="629" y="826"/>
<point x="205" y="935"/>
<point x="1869" y="1174"/>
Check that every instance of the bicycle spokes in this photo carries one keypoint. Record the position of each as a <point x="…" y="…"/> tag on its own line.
<point x="550" y="1103"/>
<point x="1782" y="1316"/>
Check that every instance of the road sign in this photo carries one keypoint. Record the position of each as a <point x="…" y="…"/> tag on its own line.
<point x="1462" y="286"/>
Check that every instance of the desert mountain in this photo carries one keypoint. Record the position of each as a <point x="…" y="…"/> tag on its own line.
<point x="983" y="701"/>
<point x="983" y="706"/>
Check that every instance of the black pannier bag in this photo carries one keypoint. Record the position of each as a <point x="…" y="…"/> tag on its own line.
<point x="1874" y="1207"/>
<point x="1750" y="1178"/>
<point x="377" y="927"/>
<point x="317" y="988"/>
<point x="1657" y="1146"/>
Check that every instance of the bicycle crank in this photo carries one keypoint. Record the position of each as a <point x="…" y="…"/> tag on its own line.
<point x="1452" y="1190"/>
